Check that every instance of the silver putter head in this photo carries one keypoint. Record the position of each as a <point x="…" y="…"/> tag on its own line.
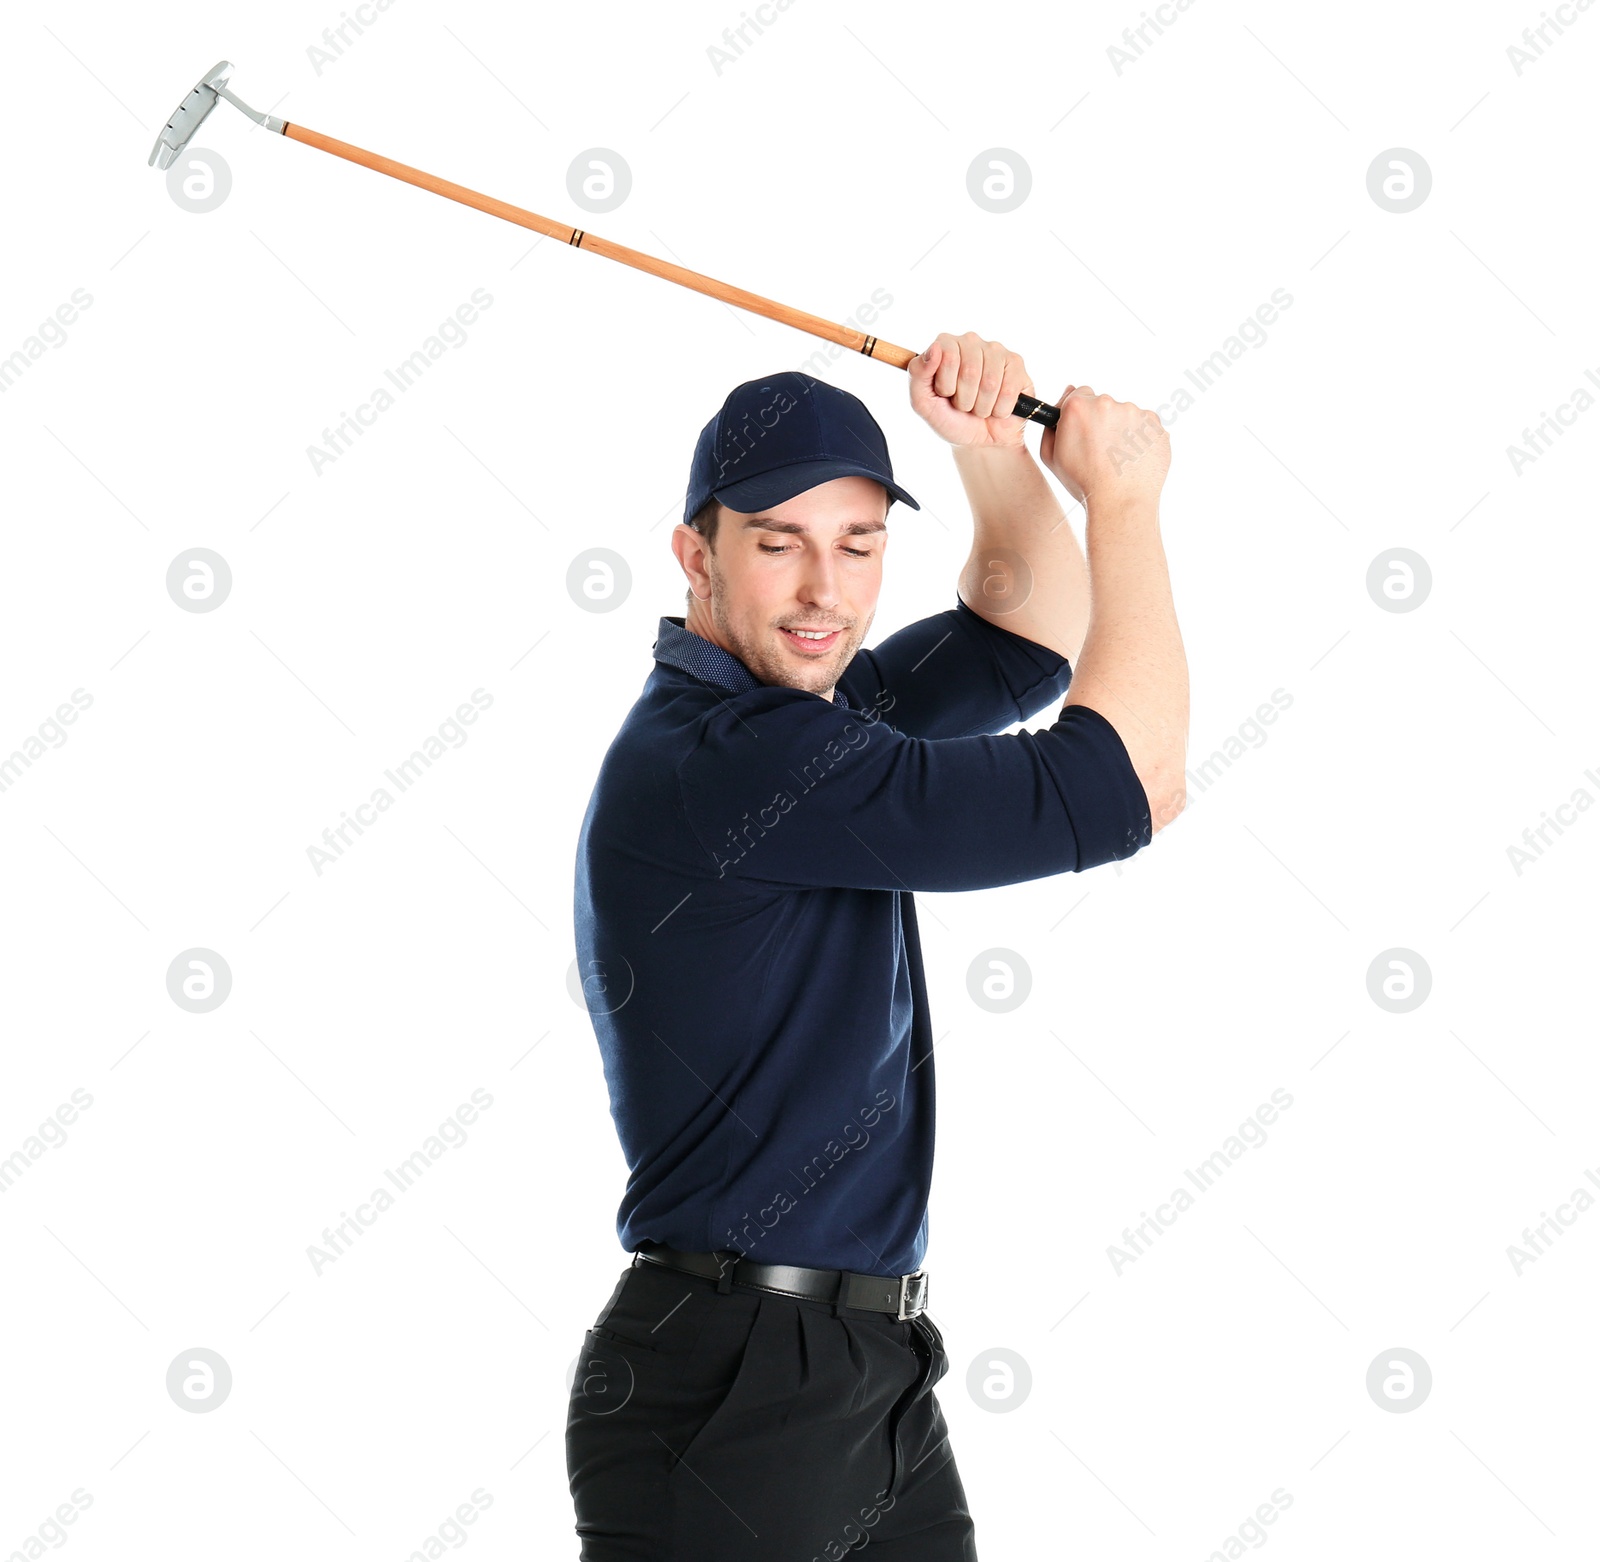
<point x="191" y="113"/>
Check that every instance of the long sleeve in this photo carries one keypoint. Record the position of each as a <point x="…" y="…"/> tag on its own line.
<point x="954" y="674"/>
<point x="784" y="788"/>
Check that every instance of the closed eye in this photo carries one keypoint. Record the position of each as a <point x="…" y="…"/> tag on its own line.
<point x="774" y="548"/>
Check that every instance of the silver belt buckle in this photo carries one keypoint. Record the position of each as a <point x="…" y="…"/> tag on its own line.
<point x="913" y="1290"/>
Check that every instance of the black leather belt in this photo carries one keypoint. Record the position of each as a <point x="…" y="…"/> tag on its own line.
<point x="902" y="1296"/>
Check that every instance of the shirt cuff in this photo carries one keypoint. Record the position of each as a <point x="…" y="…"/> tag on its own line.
<point x="1104" y="797"/>
<point x="1033" y="674"/>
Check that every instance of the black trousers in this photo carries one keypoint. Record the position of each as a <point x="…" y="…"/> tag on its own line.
<point x="749" y="1427"/>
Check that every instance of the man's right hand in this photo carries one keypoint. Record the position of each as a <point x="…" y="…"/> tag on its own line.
<point x="1106" y="452"/>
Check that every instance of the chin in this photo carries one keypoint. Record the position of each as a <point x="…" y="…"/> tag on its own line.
<point x="775" y="664"/>
<point x="811" y="680"/>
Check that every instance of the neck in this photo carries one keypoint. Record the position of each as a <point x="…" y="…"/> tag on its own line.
<point x="698" y="619"/>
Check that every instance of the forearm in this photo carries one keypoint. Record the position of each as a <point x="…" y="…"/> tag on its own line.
<point x="1132" y="668"/>
<point x="1015" y="515"/>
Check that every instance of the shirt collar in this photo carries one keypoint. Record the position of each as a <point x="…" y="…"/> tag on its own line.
<point x="682" y="648"/>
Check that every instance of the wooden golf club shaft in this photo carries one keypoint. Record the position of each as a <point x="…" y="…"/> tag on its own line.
<point x="580" y="238"/>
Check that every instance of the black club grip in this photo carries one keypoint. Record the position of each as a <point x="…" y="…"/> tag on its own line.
<point x="1037" y="411"/>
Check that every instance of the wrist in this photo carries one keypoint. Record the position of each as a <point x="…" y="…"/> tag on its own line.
<point x="1121" y="510"/>
<point x="994" y="454"/>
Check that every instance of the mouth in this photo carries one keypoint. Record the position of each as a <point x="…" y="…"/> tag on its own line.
<point x="811" y="642"/>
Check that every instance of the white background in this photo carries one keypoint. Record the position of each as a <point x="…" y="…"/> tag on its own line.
<point x="1170" y="996"/>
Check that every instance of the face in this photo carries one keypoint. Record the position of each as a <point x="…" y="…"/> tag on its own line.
<point x="792" y="588"/>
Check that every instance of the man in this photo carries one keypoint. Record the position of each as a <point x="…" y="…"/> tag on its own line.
<point x="759" y="1384"/>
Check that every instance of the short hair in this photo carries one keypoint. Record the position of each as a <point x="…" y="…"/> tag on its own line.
<point x="704" y="520"/>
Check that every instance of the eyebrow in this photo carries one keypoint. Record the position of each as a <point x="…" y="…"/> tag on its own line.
<point x="768" y="524"/>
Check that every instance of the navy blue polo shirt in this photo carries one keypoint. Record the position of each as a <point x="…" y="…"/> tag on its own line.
<point x="746" y="933"/>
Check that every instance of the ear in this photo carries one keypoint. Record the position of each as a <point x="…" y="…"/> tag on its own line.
<point x="692" y="553"/>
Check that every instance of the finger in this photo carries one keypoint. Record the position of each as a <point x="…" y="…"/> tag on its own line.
<point x="944" y="379"/>
<point x="970" y="375"/>
<point x="921" y="369"/>
<point x="990" y="400"/>
<point x="1013" y="383"/>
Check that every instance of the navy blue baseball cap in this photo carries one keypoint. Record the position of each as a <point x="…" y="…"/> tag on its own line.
<point x="778" y="436"/>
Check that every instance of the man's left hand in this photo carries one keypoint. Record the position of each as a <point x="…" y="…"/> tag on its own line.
<point x="964" y="388"/>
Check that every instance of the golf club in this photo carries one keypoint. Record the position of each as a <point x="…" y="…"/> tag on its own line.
<point x="192" y="111"/>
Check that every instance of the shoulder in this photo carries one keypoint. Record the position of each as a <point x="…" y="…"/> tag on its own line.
<point x="773" y="731"/>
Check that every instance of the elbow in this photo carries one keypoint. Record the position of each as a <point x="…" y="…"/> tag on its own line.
<point x="1166" y="794"/>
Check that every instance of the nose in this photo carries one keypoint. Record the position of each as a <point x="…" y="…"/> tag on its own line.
<point x="819" y="583"/>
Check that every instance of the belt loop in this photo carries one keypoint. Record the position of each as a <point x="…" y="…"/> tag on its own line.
<point x="725" y="1273"/>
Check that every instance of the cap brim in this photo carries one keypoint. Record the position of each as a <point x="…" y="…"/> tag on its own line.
<point x="767" y="489"/>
